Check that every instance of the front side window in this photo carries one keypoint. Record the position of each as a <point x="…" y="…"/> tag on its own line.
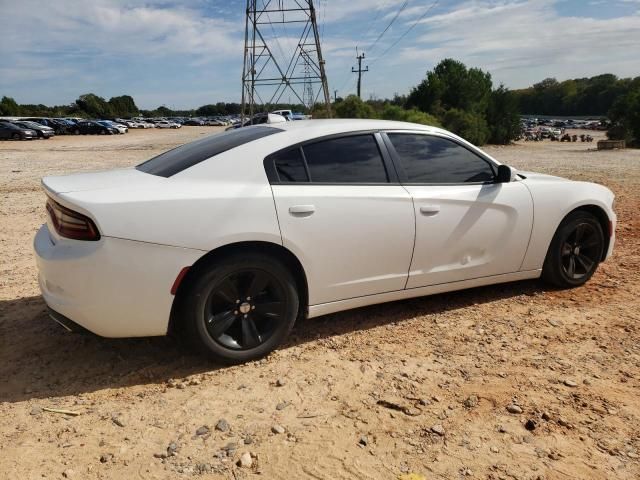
<point x="352" y="159"/>
<point x="430" y="159"/>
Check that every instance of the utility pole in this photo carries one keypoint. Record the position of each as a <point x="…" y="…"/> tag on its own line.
<point x="267" y="76"/>
<point x="359" y="71"/>
<point x="335" y="96"/>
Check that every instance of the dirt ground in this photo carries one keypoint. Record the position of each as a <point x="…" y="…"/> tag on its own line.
<point x="420" y="387"/>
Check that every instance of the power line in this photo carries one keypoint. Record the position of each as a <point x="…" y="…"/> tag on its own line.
<point x="404" y="5"/>
<point x="399" y="39"/>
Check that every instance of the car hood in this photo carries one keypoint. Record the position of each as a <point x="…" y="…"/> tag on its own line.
<point x="533" y="176"/>
<point x="82" y="182"/>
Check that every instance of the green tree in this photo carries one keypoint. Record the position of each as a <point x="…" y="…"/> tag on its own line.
<point x="94" y="106"/>
<point x="470" y="126"/>
<point x="354" y="107"/>
<point x="451" y="85"/>
<point x="503" y="117"/>
<point x="8" y="106"/>
<point x="394" y="112"/>
<point x="123" y="106"/>
<point x="625" y="117"/>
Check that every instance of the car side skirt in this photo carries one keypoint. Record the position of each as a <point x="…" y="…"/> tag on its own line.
<point x="332" y="307"/>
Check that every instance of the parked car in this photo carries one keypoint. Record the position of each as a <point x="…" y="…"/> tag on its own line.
<point x="41" y="130"/>
<point x="194" y="123"/>
<point x="9" y="131"/>
<point x="285" y="113"/>
<point x="231" y="238"/>
<point x="89" y="127"/>
<point x="118" y="126"/>
<point x="167" y="124"/>
<point x="144" y="124"/>
<point x="259" y="119"/>
<point x="60" y="128"/>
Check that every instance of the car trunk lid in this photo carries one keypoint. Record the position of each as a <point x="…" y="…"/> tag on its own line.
<point x="82" y="182"/>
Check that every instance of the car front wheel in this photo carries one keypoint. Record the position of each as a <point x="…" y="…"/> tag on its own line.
<point x="240" y="308"/>
<point x="575" y="251"/>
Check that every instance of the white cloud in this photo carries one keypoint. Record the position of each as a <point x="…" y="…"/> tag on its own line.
<point x="108" y="27"/>
<point x="522" y="42"/>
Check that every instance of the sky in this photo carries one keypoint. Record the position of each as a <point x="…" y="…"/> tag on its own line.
<point x="183" y="54"/>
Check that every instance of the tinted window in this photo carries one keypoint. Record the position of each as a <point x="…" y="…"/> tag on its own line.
<point x="290" y="166"/>
<point x="427" y="159"/>
<point x="190" y="154"/>
<point x="353" y="159"/>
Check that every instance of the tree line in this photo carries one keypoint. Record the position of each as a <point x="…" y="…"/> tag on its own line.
<point x="91" y="105"/>
<point x="463" y="100"/>
<point x="452" y="96"/>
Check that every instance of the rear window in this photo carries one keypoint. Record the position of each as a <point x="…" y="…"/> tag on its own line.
<point x="180" y="158"/>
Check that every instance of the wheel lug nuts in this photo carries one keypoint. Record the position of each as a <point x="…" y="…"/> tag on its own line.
<point x="235" y="312"/>
<point x="248" y="298"/>
<point x="237" y="301"/>
<point x="253" y="307"/>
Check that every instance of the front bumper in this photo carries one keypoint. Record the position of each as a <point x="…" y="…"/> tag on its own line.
<point x="112" y="287"/>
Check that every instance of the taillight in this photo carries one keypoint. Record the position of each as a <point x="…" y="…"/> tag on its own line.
<point x="72" y="224"/>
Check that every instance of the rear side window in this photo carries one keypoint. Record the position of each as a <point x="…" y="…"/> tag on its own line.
<point x="352" y="159"/>
<point x="430" y="159"/>
<point x="190" y="154"/>
<point x="290" y="166"/>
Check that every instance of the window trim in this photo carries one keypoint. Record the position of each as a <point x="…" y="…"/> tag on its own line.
<point x="402" y="173"/>
<point x="387" y="162"/>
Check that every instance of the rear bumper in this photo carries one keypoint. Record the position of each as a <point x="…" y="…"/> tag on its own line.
<point x="65" y="322"/>
<point x="112" y="287"/>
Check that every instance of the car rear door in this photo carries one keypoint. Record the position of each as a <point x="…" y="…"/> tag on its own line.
<point x="343" y="212"/>
<point x="467" y="225"/>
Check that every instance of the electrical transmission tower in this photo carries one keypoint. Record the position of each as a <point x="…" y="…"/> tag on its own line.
<point x="359" y="71"/>
<point x="268" y="74"/>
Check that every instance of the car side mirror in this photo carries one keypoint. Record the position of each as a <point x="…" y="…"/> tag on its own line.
<point x="504" y="174"/>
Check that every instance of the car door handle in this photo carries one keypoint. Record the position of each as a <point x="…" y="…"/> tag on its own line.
<point x="430" y="209"/>
<point x="302" y="210"/>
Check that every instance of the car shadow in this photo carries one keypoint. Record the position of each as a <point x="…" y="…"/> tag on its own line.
<point x="40" y="359"/>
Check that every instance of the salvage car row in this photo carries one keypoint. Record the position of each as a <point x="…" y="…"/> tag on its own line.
<point x="32" y="128"/>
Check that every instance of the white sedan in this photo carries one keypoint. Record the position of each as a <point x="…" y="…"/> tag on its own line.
<point x="166" y="124"/>
<point x="231" y="238"/>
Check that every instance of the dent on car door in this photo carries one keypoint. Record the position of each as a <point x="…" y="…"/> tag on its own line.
<point x="339" y="213"/>
<point x="467" y="226"/>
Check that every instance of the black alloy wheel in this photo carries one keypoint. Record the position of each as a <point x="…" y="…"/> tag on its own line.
<point x="238" y="308"/>
<point x="581" y="251"/>
<point x="575" y="252"/>
<point x="244" y="309"/>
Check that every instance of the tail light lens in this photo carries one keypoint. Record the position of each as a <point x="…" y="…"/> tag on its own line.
<point x="72" y="224"/>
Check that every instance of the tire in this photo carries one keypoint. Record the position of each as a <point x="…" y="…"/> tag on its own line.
<point x="76" y="132"/>
<point x="236" y="330"/>
<point x="16" y="136"/>
<point x="575" y="251"/>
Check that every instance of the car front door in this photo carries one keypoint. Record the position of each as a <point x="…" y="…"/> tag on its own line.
<point x="467" y="225"/>
<point x="343" y="213"/>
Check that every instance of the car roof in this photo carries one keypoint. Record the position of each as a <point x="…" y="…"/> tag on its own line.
<point x="352" y="124"/>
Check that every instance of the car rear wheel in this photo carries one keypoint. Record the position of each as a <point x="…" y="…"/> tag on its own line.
<point x="575" y="251"/>
<point x="240" y="308"/>
<point x="16" y="136"/>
